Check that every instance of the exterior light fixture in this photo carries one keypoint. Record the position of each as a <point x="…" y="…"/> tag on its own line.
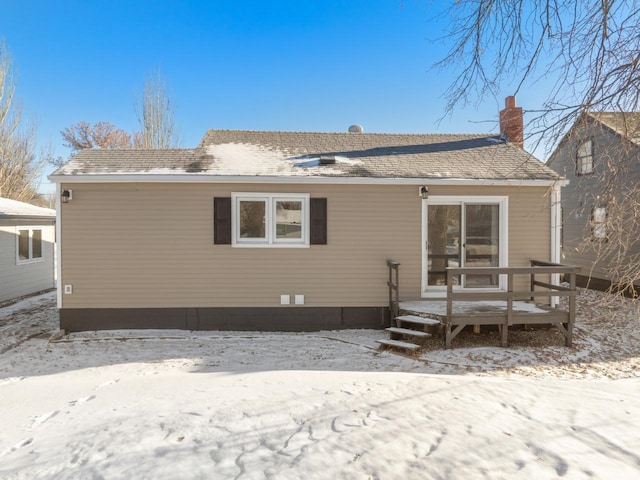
<point x="424" y="192"/>
<point x="66" y="196"/>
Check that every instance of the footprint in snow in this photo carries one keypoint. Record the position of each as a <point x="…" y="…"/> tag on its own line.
<point x="43" y="418"/>
<point x="342" y="423"/>
<point x="7" y="381"/>
<point x="106" y="384"/>
<point x="18" y="445"/>
<point x="82" y="400"/>
<point x="297" y="441"/>
<point x="371" y="419"/>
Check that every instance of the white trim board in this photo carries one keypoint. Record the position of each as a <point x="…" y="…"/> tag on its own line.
<point x="502" y="201"/>
<point x="187" y="178"/>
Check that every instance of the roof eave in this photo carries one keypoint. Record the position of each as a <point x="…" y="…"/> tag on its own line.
<point x="26" y="217"/>
<point x="267" y="179"/>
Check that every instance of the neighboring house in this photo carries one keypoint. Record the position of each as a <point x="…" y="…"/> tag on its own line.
<point x="599" y="156"/>
<point x="291" y="231"/>
<point x="27" y="237"/>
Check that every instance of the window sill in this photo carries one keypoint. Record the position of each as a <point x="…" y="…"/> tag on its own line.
<point x="267" y="245"/>
<point x="29" y="262"/>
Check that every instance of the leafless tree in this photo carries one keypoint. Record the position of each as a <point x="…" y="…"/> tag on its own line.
<point x="83" y="135"/>
<point x="155" y="112"/>
<point x="591" y="48"/>
<point x="19" y="165"/>
<point x="591" y="51"/>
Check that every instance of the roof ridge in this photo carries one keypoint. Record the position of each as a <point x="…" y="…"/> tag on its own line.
<point x="625" y="112"/>
<point x="309" y="132"/>
<point x="180" y="149"/>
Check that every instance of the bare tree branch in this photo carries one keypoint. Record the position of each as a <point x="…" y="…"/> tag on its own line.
<point x="19" y="165"/>
<point x="83" y="135"/>
<point x="155" y="112"/>
<point x="592" y="47"/>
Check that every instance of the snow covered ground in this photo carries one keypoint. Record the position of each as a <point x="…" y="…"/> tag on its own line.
<point x="324" y="405"/>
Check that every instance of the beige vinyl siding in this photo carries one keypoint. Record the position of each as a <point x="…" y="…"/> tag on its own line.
<point x="151" y="245"/>
<point x="22" y="279"/>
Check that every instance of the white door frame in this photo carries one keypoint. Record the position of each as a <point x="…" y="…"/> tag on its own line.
<point x="503" y="253"/>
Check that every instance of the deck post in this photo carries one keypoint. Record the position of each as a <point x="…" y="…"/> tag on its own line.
<point x="509" y="320"/>
<point x="572" y="310"/>
<point x="533" y="281"/>
<point x="447" y="329"/>
<point x="394" y="289"/>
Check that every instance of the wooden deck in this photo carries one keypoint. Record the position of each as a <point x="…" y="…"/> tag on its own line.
<point x="503" y="308"/>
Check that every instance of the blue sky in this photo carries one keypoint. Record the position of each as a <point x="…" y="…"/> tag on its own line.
<point x="274" y="65"/>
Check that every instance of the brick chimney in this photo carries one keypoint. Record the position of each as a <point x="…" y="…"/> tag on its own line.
<point x="511" y="123"/>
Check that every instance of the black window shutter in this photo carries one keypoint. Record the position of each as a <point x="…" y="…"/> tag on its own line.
<point x="318" y="221"/>
<point x="222" y="220"/>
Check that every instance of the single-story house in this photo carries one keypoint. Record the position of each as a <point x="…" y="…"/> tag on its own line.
<point x="274" y="230"/>
<point x="27" y="237"/>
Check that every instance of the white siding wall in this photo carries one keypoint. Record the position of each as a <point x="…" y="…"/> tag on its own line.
<point x="22" y="279"/>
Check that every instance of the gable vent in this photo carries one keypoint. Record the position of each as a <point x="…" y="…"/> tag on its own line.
<point x="356" y="129"/>
<point x="327" y="160"/>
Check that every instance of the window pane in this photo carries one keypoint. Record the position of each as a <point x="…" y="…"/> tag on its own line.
<point x="482" y="242"/>
<point x="288" y="219"/>
<point x="23" y="244"/>
<point x="584" y="150"/>
<point x="36" y="244"/>
<point x="599" y="222"/>
<point x="443" y="227"/>
<point x="252" y="219"/>
<point x="586" y="165"/>
<point x="585" y="157"/>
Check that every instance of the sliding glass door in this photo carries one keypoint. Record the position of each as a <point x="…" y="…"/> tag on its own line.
<point x="463" y="232"/>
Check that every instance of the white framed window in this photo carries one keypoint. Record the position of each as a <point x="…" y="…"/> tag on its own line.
<point x="584" y="158"/>
<point x="599" y="223"/>
<point x="28" y="245"/>
<point x="270" y="219"/>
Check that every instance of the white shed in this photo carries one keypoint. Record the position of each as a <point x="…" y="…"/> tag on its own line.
<point x="27" y="238"/>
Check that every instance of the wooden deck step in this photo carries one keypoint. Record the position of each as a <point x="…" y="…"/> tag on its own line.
<point x="408" y="331"/>
<point x="398" y="344"/>
<point x="417" y="319"/>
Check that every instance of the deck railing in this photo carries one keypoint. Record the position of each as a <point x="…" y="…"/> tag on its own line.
<point x="548" y="288"/>
<point x="563" y="322"/>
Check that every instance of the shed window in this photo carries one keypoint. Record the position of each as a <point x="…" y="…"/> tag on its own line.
<point x="270" y="220"/>
<point x="29" y="246"/>
<point x="584" y="158"/>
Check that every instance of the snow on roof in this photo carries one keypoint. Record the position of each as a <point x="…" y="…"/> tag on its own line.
<point x="10" y="207"/>
<point x="315" y="154"/>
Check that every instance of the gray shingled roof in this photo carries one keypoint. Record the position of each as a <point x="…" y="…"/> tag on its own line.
<point x="301" y="154"/>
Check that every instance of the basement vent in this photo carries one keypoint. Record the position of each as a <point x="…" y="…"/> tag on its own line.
<point x="327" y="160"/>
<point x="356" y="129"/>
